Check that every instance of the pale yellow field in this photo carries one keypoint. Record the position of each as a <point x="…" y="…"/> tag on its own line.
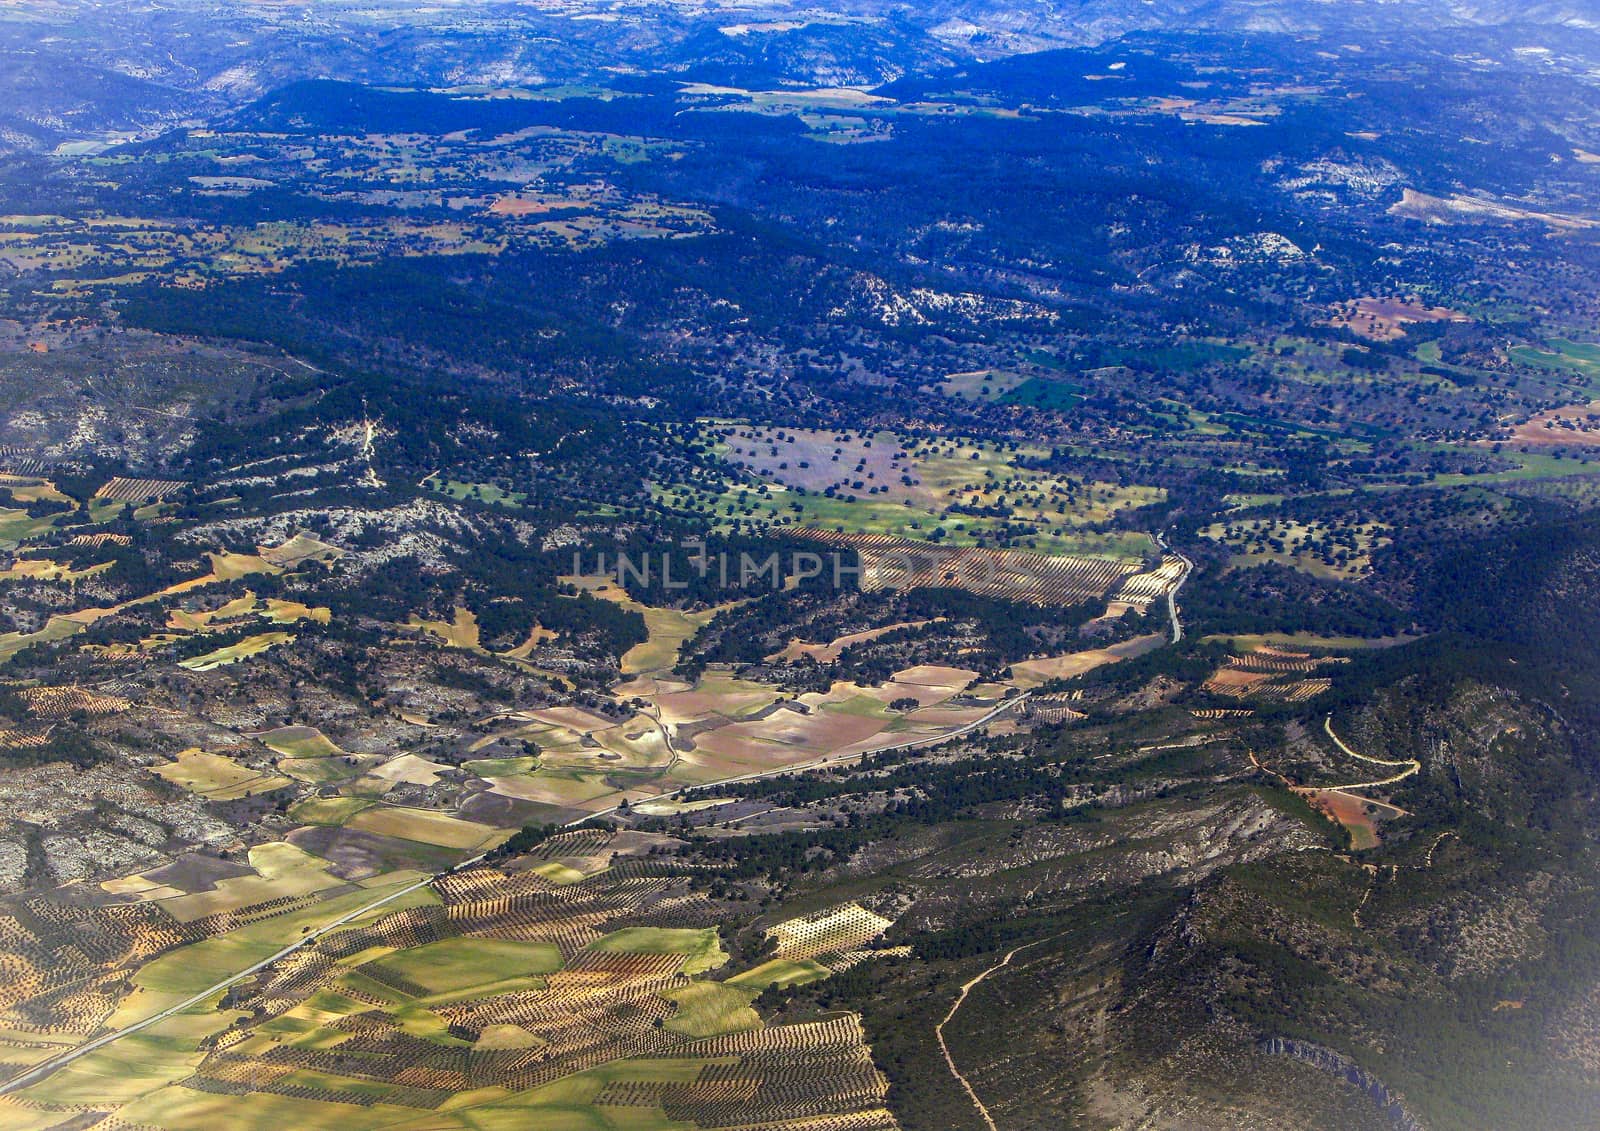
<point x="668" y="628"/>
<point x="217" y="776"/>
<point x="460" y="633"/>
<point x="233" y="653"/>
<point x="281" y="870"/>
<point x="426" y="826"/>
<point x="1031" y="673"/>
<point x="411" y="769"/>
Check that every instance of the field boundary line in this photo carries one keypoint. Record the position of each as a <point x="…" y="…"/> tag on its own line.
<point x="47" y="1067"/>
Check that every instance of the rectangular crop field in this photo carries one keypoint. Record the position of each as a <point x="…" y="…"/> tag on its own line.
<point x="459" y="964"/>
<point x="423" y="825"/>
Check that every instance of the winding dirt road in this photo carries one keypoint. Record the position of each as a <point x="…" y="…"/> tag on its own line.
<point x="938" y="1031"/>
<point x="961" y="998"/>
<point x="1412" y="766"/>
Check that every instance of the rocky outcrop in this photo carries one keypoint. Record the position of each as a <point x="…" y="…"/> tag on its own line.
<point x="1338" y="1064"/>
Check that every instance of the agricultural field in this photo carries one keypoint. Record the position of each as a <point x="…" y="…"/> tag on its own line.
<point x="461" y="632"/>
<point x="139" y="491"/>
<point x="442" y="829"/>
<point x="327" y="810"/>
<point x="1579" y="360"/>
<point x="287" y="557"/>
<point x="983" y="385"/>
<point x="217" y="776"/>
<point x="1274" y="673"/>
<point x="275" y="610"/>
<point x="1386" y="319"/>
<point x="1356" y="800"/>
<point x="1322" y="548"/>
<point x="232" y="653"/>
<point x="55" y="703"/>
<point x="888" y="562"/>
<point x="1357" y="815"/>
<point x="950" y="491"/>
<point x="1575" y="426"/>
<point x="1028" y="674"/>
<point x="498" y="1001"/>
<point x="1202" y="741"/>
<point x="299" y="742"/>
<point x="451" y="965"/>
<point x="716" y="727"/>
<point x="478" y="492"/>
<point x="43" y="569"/>
<point x="830" y="651"/>
<point x="499" y="192"/>
<point x="669" y="629"/>
<point x="834" y="931"/>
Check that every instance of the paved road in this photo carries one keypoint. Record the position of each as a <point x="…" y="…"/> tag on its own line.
<point x="40" y="1071"/>
<point x="45" y="1068"/>
<point x="1172" y="594"/>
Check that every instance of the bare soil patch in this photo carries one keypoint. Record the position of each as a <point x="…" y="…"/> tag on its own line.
<point x="1575" y="425"/>
<point x="1385" y="319"/>
<point x="1348" y="810"/>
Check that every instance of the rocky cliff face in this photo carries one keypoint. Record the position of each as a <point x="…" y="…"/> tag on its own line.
<point x="1347" y="1070"/>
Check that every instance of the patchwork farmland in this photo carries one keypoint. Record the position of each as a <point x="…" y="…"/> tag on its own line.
<point x="1273" y="674"/>
<point x="494" y="997"/>
<point x="961" y="492"/>
<point x="888" y="562"/>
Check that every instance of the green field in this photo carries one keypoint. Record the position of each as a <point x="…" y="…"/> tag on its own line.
<point x="501" y="767"/>
<point x="1580" y="358"/>
<point x="120" y="1072"/>
<point x="178" y="1107"/>
<point x="327" y="810"/>
<point x="557" y="872"/>
<point x="319" y="771"/>
<point x="709" y="1009"/>
<point x="423" y="825"/>
<point x="958" y="491"/>
<point x="216" y="776"/>
<point x="780" y="972"/>
<point x="480" y="492"/>
<point x="56" y="628"/>
<point x="459" y="964"/>
<point x="701" y="947"/>
<point x="233" y="653"/>
<point x="299" y="742"/>
<point x="1530" y="465"/>
<point x="190" y="969"/>
<point x="1045" y="392"/>
<point x="777" y="506"/>
<point x="668" y="628"/>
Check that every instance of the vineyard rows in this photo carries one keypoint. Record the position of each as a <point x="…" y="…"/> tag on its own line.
<point x="845" y="927"/>
<point x="122" y="490"/>
<point x="56" y="703"/>
<point x="67" y="966"/>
